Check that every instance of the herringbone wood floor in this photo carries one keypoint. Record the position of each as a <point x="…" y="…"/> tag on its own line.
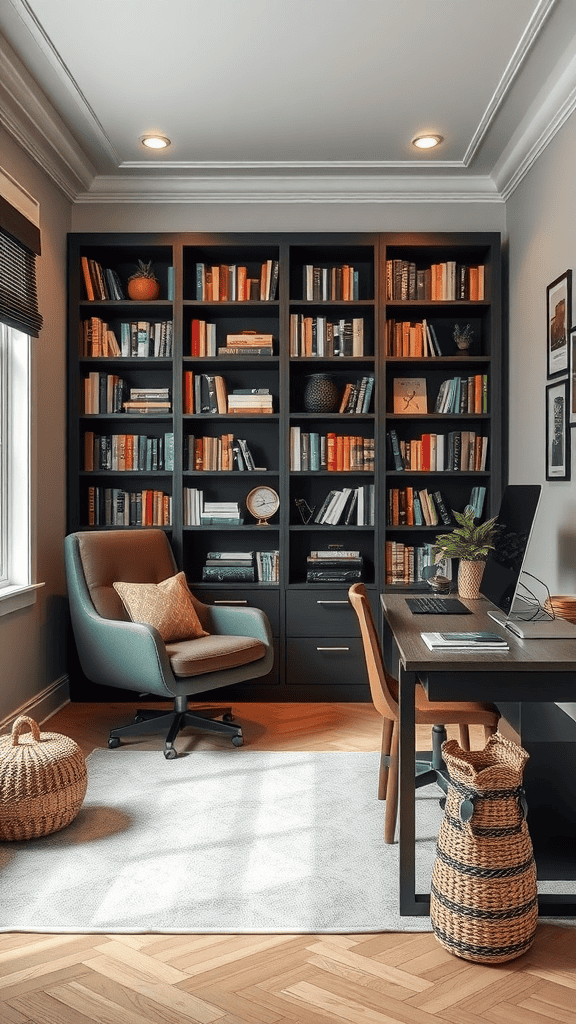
<point x="261" y="979"/>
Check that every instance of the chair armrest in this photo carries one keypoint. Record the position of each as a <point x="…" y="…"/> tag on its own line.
<point x="130" y="655"/>
<point x="233" y="621"/>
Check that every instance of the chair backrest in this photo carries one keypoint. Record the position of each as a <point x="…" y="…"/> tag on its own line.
<point x="127" y="556"/>
<point x="383" y="687"/>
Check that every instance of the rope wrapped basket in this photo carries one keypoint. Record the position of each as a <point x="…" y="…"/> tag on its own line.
<point x="43" y="779"/>
<point x="483" y="902"/>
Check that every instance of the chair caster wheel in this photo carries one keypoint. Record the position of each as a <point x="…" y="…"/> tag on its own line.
<point x="113" y="742"/>
<point x="237" y="741"/>
<point x="170" y="753"/>
<point x="138" y="718"/>
<point x="228" y="717"/>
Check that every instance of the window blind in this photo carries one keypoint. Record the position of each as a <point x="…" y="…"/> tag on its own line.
<point x="19" y="246"/>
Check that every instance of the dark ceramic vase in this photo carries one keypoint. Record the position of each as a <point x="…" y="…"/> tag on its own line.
<point x="321" y="393"/>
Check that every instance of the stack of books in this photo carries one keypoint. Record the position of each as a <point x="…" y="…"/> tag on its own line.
<point x="218" y="513"/>
<point x="255" y="401"/>
<point x="202" y="339"/>
<point x="480" y="641"/>
<point x="334" y="283"/>
<point x="97" y="339"/>
<point x="146" y="339"/>
<point x="148" y="400"/>
<point x="223" y="566"/>
<point x="248" y="343"/>
<point x="349" y="506"/>
<point x="229" y="282"/>
<point x="318" y="336"/>
<point x="334" y="566"/>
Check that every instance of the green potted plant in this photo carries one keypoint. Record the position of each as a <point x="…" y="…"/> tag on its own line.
<point x="470" y="543"/>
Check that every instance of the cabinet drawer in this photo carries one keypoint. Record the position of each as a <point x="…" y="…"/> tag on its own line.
<point x="267" y="600"/>
<point x="321" y="613"/>
<point x="325" y="660"/>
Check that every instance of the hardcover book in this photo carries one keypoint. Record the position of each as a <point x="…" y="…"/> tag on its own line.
<point x="410" y="395"/>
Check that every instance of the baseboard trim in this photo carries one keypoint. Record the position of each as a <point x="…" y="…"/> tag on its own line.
<point x="42" y="705"/>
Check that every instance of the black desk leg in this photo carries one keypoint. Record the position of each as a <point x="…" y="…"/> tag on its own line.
<point x="411" y="904"/>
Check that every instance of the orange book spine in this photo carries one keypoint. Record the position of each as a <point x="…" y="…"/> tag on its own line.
<point x="331" y="451"/>
<point x="339" y="453"/>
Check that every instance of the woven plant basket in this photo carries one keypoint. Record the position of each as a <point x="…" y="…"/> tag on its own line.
<point x="483" y="903"/>
<point x="469" y="579"/>
<point x="43" y="781"/>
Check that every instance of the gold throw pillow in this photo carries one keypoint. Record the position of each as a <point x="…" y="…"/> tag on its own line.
<point x="167" y="606"/>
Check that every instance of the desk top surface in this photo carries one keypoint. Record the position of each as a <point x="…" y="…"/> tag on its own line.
<point x="549" y="655"/>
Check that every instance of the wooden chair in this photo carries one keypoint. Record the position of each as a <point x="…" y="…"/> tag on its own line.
<point x="384" y="690"/>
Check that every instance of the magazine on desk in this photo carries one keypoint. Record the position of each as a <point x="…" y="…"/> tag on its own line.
<point x="474" y="641"/>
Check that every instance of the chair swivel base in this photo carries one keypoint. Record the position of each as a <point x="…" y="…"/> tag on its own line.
<point x="148" y="721"/>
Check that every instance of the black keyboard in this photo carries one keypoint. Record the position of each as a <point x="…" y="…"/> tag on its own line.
<point x="437" y="606"/>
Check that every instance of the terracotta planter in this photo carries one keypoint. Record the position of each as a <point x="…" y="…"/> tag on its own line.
<point x="469" y="579"/>
<point x="143" y="289"/>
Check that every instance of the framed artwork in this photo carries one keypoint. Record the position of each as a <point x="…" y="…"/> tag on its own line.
<point x="559" y="317"/>
<point x="557" y="431"/>
<point x="572" y="378"/>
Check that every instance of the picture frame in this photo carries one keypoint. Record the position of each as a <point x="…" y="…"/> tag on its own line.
<point x="558" y="320"/>
<point x="557" y="431"/>
<point x="572" y="378"/>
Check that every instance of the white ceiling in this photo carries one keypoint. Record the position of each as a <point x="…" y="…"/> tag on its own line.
<point x="312" y="98"/>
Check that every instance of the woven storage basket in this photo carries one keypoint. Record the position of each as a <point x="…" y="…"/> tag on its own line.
<point x="563" y="606"/>
<point x="483" y="903"/>
<point x="43" y="781"/>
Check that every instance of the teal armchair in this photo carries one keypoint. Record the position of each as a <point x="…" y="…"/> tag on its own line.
<point x="114" y="651"/>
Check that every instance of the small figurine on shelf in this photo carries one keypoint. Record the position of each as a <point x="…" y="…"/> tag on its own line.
<point x="463" y="336"/>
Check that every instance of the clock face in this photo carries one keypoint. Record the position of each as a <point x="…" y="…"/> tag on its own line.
<point x="262" y="502"/>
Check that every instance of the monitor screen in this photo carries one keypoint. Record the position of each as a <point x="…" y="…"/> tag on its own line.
<point x="504" y="564"/>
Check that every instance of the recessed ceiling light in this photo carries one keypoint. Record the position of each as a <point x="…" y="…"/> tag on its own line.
<point x="155" y="141"/>
<point x="427" y="141"/>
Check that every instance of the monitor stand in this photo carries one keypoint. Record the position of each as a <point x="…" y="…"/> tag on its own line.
<point x="535" y="629"/>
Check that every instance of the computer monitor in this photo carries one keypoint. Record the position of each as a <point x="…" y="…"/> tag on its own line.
<point x="501" y="584"/>
<point x="505" y="561"/>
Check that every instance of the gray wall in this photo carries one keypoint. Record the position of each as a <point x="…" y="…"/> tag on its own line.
<point x="32" y="640"/>
<point x="541" y="221"/>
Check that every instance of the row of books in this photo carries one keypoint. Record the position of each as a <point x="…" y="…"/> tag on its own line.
<point x="100" y="283"/>
<point x="334" y="566"/>
<point x="350" y="506"/>
<point x="463" y="395"/>
<point x="128" y="452"/>
<point x="138" y="338"/>
<point x="242" y="566"/>
<point x="404" y="563"/>
<point x="410" y="506"/>
<point x="310" y="450"/>
<point x="440" y="282"/>
<point x="357" y="396"/>
<point x="208" y="393"/>
<point x="411" y="338"/>
<point x="318" y="336"/>
<point x="198" y="512"/>
<point x="332" y="283"/>
<point x="112" y="506"/>
<point x="216" y="454"/>
<point x="458" y="450"/>
<point x="231" y="283"/>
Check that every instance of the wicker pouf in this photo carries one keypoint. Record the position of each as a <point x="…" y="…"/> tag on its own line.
<point x="483" y="903"/>
<point x="43" y="781"/>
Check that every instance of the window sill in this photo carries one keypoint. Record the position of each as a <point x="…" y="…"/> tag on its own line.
<point x="15" y="596"/>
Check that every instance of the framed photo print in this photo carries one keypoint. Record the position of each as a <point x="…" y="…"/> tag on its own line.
<point x="559" y="318"/>
<point x="557" y="432"/>
<point x="572" y="378"/>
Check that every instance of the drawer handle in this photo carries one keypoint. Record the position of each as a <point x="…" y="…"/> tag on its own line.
<point x="331" y="602"/>
<point x="230" y="602"/>
<point x="332" y="648"/>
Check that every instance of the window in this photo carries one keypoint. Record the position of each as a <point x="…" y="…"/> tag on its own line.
<point x="16" y="549"/>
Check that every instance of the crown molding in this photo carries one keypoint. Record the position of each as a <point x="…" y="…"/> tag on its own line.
<point x="283" y="189"/>
<point x="34" y="124"/>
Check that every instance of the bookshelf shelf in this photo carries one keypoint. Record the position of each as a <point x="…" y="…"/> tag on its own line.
<point x="336" y="318"/>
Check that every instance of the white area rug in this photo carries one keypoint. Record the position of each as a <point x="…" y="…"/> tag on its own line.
<point x="219" y="841"/>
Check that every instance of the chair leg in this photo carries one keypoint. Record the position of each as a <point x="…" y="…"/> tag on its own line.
<point x="387" y="726"/>
<point x="489" y="731"/>
<point x="464" y="737"/>
<point x="392" y="790"/>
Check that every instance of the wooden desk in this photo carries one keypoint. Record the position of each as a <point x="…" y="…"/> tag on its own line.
<point x="532" y="671"/>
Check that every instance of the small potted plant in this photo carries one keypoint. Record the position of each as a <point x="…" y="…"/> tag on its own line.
<point x="143" y="285"/>
<point x="463" y="336"/>
<point x="470" y="543"/>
